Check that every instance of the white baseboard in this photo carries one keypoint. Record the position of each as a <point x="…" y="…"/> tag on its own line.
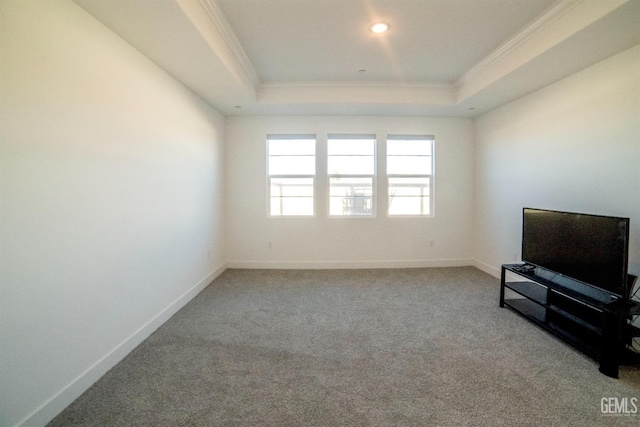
<point x="314" y="265"/>
<point x="495" y="272"/>
<point x="56" y="404"/>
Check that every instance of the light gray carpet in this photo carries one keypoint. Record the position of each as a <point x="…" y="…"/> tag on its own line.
<point x="405" y="347"/>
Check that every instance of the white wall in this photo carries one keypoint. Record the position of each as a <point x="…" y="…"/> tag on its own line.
<point x="347" y="242"/>
<point x="111" y="203"/>
<point x="573" y="146"/>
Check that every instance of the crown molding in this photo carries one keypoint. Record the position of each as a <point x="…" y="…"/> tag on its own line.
<point x="359" y="84"/>
<point x="220" y="22"/>
<point x="548" y="17"/>
<point x="356" y="92"/>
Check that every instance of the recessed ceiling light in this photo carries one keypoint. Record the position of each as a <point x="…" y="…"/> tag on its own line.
<point x="379" y="27"/>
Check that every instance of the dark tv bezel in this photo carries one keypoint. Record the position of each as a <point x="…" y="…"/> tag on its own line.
<point x="624" y="279"/>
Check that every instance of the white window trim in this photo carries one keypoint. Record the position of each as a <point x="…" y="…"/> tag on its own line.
<point x="380" y="188"/>
<point x="374" y="176"/>
<point x="401" y="137"/>
<point x="269" y="176"/>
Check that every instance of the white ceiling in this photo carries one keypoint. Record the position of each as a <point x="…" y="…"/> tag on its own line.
<point x="329" y="41"/>
<point x="439" y="58"/>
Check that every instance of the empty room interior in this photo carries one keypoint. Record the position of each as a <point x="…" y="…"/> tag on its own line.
<point x="265" y="212"/>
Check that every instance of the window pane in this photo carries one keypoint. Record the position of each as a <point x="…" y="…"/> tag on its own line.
<point x="291" y="196"/>
<point x="292" y="156"/>
<point x="412" y="156"/>
<point x="292" y="165"/>
<point x="292" y="187"/>
<point x="351" y="156"/>
<point x="409" y="196"/>
<point x="350" y="165"/>
<point x="351" y="196"/>
<point x="409" y="165"/>
<point x="413" y="147"/>
<point x="279" y="147"/>
<point x="351" y="147"/>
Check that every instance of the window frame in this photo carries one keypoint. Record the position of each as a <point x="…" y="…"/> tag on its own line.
<point x="373" y="176"/>
<point x="269" y="176"/>
<point x="430" y="177"/>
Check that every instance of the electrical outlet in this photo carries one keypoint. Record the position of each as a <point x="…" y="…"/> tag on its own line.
<point x="269" y="245"/>
<point x="515" y="256"/>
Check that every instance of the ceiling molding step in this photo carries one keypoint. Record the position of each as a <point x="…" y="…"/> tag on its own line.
<point x="355" y="93"/>
<point x="219" y="45"/>
<point x="515" y="42"/>
<point x="360" y="85"/>
<point x="220" y="21"/>
<point x="561" y="21"/>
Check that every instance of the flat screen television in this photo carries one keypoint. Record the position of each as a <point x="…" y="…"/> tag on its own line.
<point x="591" y="249"/>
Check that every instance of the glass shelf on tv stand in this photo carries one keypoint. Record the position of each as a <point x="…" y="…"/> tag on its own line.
<point x="595" y="325"/>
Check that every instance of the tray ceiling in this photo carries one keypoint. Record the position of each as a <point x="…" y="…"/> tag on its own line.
<point x="439" y="58"/>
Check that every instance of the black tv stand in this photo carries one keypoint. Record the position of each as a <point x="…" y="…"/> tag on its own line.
<point x="594" y="323"/>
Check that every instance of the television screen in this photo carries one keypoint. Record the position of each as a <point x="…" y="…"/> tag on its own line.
<point x="590" y="248"/>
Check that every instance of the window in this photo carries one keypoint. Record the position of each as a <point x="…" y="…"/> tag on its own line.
<point x="291" y="169"/>
<point x="351" y="167"/>
<point x="410" y="174"/>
